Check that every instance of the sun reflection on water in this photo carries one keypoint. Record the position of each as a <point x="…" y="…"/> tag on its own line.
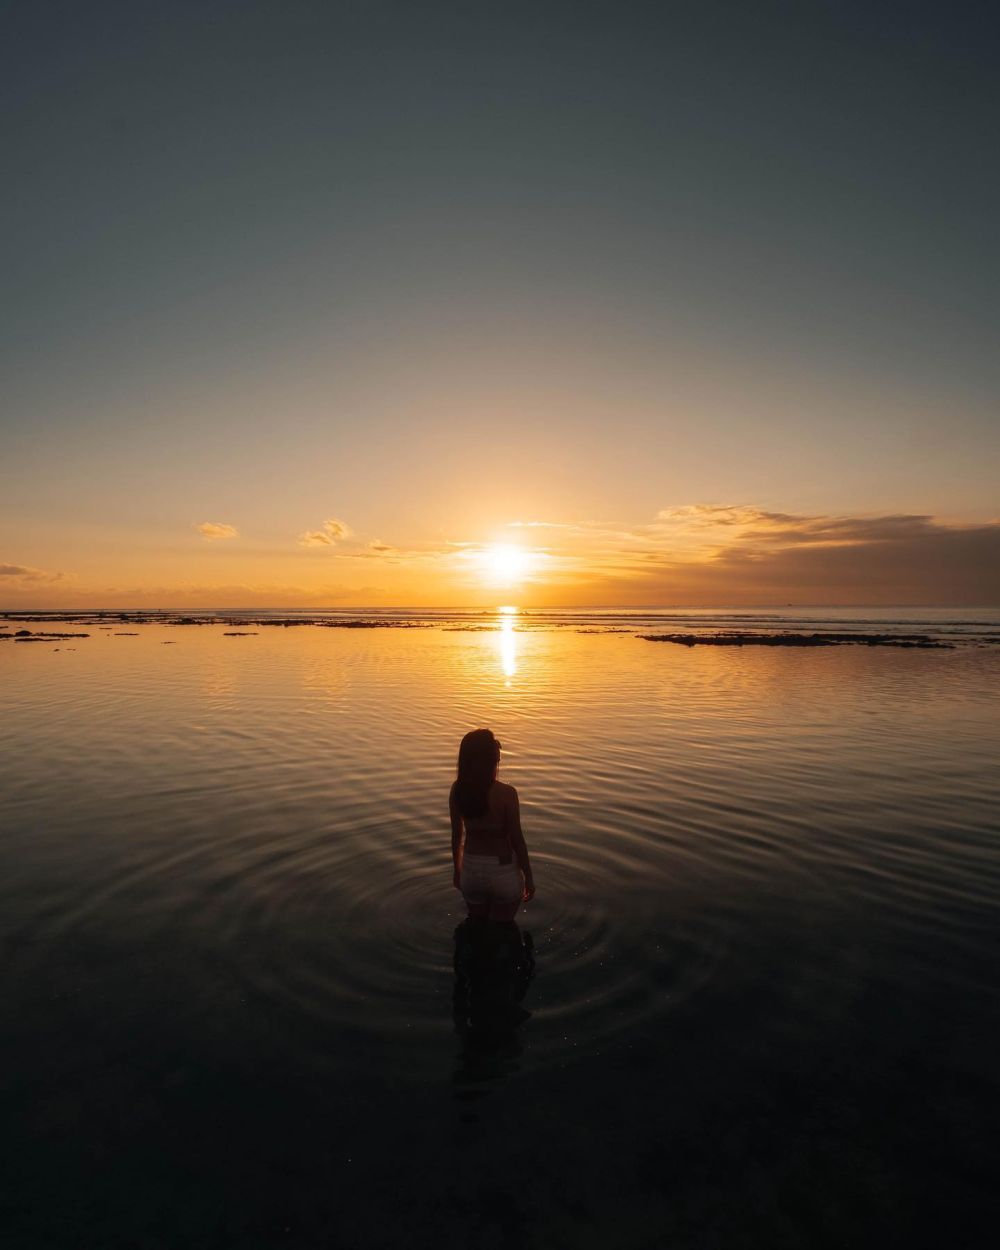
<point x="508" y="641"/>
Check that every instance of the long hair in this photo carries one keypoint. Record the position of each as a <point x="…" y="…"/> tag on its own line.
<point x="478" y="760"/>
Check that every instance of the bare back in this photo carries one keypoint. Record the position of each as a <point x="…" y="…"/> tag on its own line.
<point x="489" y="834"/>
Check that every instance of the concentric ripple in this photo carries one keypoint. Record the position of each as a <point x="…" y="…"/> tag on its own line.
<point x="265" y="820"/>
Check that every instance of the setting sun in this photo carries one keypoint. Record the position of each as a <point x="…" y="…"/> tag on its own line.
<point x="505" y="563"/>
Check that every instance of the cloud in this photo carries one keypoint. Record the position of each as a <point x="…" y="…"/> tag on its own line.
<point x="378" y="548"/>
<point x="545" y="525"/>
<point x="21" y="572"/>
<point x="333" y="530"/>
<point x="734" y="554"/>
<point x="216" y="529"/>
<point x="887" y="559"/>
<point x="745" y="530"/>
<point x="706" y="516"/>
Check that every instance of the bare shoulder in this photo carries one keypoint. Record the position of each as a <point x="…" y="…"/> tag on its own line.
<point x="505" y="793"/>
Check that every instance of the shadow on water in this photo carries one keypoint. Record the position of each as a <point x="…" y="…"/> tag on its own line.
<point x="494" y="965"/>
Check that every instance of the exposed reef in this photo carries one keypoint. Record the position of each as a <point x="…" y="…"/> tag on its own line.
<point x="369" y="624"/>
<point x="921" y="641"/>
<point x="25" y="635"/>
<point x="110" y="620"/>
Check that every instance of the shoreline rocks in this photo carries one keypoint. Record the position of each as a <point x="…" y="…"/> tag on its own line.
<point x="920" y="641"/>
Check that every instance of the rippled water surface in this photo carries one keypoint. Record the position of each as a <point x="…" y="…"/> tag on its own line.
<point x="765" y="998"/>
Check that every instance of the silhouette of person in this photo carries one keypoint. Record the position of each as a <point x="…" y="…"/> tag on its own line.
<point x="491" y="865"/>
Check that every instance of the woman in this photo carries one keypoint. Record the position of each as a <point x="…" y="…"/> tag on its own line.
<point x="491" y="865"/>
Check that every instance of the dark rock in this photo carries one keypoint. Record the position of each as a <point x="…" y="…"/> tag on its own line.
<point x="800" y="640"/>
<point x="371" y="625"/>
<point x="25" y="635"/>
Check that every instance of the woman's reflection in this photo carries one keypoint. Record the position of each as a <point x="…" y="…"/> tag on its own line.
<point x="494" y="963"/>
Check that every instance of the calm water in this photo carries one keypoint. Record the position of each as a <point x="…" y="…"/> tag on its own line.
<point x="765" y="1002"/>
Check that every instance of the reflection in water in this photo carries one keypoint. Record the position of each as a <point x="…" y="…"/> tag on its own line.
<point x="494" y="964"/>
<point x="508" y="642"/>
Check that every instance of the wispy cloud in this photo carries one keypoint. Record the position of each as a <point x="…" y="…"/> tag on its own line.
<point x="593" y="533"/>
<point x="708" y="516"/>
<point x="217" y="529"/>
<point x="332" y="532"/>
<point x="725" y="531"/>
<point x="23" y="573"/>
<point x="545" y="525"/>
<point x="378" y="550"/>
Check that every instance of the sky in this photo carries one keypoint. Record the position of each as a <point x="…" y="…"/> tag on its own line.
<point x="370" y="303"/>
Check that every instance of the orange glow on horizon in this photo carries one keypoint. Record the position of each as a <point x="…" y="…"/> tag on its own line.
<point x="685" y="555"/>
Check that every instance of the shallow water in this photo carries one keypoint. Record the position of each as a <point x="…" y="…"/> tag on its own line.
<point x="766" y="937"/>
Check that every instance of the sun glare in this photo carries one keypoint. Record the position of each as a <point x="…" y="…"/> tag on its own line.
<point x="505" y="564"/>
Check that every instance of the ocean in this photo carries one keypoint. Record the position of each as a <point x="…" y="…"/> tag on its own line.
<point x="760" y="967"/>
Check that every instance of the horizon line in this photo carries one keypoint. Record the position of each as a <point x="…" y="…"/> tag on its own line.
<point x="591" y="607"/>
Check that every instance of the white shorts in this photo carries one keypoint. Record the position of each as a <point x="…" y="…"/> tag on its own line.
<point x="485" y="880"/>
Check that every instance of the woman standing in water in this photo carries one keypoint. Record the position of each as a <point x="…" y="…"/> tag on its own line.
<point x="491" y="862"/>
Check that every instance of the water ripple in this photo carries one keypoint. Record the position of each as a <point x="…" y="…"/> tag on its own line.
<point x="280" y="812"/>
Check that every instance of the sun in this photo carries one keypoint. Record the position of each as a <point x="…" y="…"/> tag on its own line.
<point x="505" y="564"/>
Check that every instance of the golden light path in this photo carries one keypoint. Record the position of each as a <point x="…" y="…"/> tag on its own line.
<point x="508" y="641"/>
